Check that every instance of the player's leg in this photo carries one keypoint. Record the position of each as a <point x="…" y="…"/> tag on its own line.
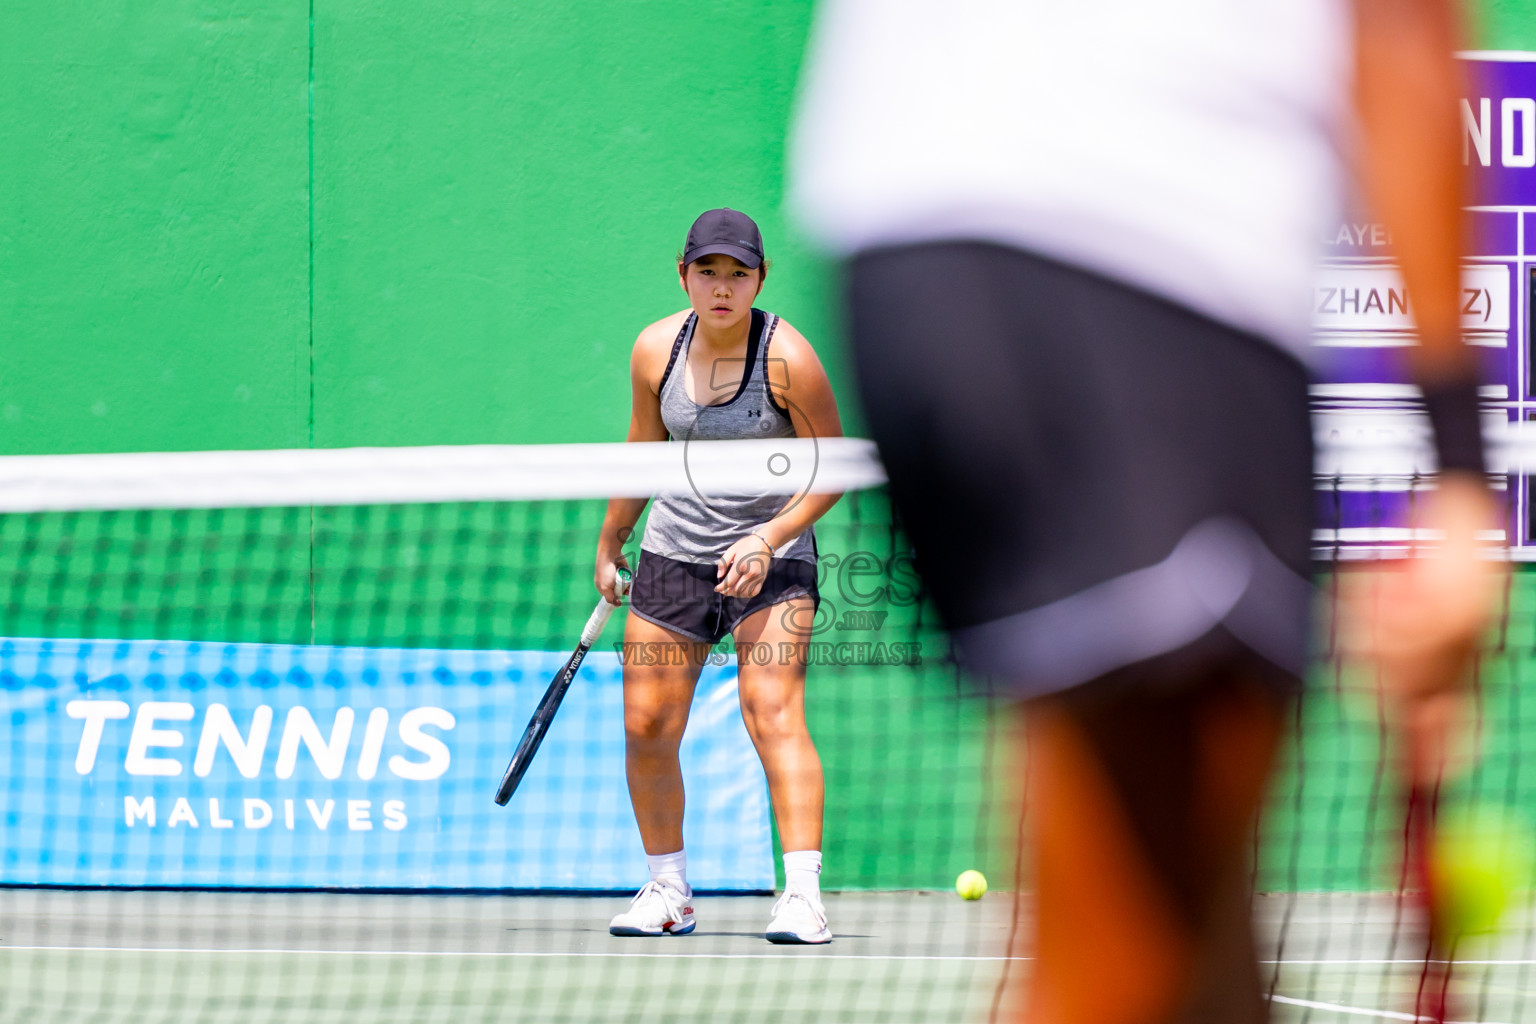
<point x="1144" y="788"/>
<point x="772" y="686"/>
<point x="661" y="669"/>
<point x="771" y="644"/>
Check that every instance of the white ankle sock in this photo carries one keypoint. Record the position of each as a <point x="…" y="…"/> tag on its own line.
<point x="802" y="871"/>
<point x="671" y="868"/>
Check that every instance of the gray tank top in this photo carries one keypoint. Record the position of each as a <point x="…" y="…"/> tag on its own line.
<point x="691" y="528"/>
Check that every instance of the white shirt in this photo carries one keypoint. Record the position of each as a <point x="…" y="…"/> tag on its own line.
<point x="1188" y="147"/>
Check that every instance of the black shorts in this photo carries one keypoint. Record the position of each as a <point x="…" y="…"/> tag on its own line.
<point x="680" y="596"/>
<point x="1091" y="476"/>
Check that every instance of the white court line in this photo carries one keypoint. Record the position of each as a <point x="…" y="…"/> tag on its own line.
<point x="1312" y="1004"/>
<point x="1397" y="963"/>
<point x="697" y="956"/>
<point x="1357" y="1011"/>
<point x="494" y="953"/>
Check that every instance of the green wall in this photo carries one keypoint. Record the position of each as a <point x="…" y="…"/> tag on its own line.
<point x="1502" y="24"/>
<point x="153" y="232"/>
<point x="500" y="194"/>
<point x="458" y="217"/>
<point x="258" y="223"/>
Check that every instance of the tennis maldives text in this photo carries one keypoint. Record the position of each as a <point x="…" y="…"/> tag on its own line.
<point x="154" y="735"/>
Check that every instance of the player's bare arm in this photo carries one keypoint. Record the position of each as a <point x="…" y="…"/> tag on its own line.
<point x="647" y="362"/>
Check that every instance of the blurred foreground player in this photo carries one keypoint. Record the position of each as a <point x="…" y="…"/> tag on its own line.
<point x="1080" y="239"/>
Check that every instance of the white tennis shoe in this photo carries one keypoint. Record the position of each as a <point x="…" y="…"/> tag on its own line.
<point x="798" y="919"/>
<point x="657" y="909"/>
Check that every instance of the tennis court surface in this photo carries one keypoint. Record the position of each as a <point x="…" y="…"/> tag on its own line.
<point x="326" y="957"/>
<point x="257" y="706"/>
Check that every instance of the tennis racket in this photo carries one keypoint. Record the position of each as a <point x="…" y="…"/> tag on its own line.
<point x="544" y="714"/>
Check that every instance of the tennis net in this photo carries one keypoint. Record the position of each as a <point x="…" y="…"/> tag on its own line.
<point x="258" y="704"/>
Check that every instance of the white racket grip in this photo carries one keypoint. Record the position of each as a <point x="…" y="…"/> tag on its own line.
<point x="599" y="616"/>
<point x="596" y="622"/>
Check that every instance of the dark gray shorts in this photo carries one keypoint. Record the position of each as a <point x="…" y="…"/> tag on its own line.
<point x="1091" y="476"/>
<point x="680" y="596"/>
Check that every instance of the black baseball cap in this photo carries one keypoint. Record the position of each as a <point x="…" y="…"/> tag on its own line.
<point x="730" y="232"/>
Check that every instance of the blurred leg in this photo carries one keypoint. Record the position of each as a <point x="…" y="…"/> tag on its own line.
<point x="1142" y="798"/>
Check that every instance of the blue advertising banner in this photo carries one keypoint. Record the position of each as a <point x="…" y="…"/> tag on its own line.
<point x="151" y="763"/>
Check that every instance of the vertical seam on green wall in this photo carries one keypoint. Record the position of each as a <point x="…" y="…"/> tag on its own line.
<point x="310" y="133"/>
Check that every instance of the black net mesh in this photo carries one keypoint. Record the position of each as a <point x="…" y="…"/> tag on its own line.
<point x="250" y="755"/>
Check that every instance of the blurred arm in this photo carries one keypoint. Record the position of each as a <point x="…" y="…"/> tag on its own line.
<point x="1407" y="84"/>
<point x="1424" y="622"/>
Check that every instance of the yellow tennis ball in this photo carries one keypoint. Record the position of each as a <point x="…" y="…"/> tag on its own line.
<point x="1482" y="858"/>
<point x="971" y="885"/>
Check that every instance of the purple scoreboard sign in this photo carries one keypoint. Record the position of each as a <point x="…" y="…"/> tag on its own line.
<point x="1362" y="320"/>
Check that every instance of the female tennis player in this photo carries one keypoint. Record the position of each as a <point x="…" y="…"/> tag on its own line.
<point x="721" y="370"/>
